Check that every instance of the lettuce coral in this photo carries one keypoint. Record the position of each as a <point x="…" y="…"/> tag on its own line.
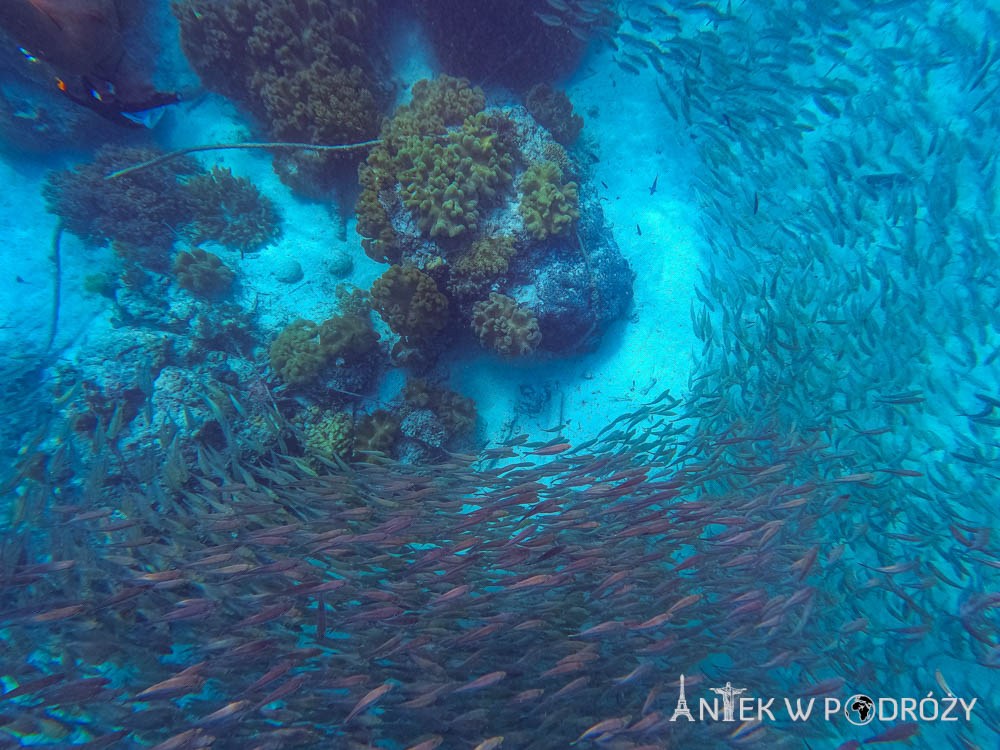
<point x="409" y="302"/>
<point x="202" y="273"/>
<point x="504" y="326"/>
<point x="548" y="205"/>
<point x="231" y="211"/>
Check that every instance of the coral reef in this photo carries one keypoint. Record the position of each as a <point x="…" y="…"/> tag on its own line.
<point x="296" y="354"/>
<point x="445" y="176"/>
<point x="352" y="300"/>
<point x="548" y="205"/>
<point x="455" y="412"/>
<point x="346" y="336"/>
<point x="231" y="211"/>
<point x="409" y="302"/>
<point x="444" y="184"/>
<point x="202" y="273"/>
<point x="480" y="267"/>
<point x="135" y="212"/>
<point x="141" y="213"/>
<point x="554" y="111"/>
<point x="303" y="348"/>
<point x="307" y="69"/>
<point x="504" y="326"/>
<point x="437" y="104"/>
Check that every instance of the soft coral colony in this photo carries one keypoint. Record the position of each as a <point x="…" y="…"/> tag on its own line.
<point x="491" y="236"/>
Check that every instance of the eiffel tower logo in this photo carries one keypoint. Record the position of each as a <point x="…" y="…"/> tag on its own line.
<point x="682" y="706"/>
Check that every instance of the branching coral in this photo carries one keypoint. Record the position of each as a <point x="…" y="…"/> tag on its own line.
<point x="504" y="326"/>
<point x="480" y="267"/>
<point x="231" y="211"/>
<point x="553" y="110"/>
<point x="136" y="212"/>
<point x="409" y="302"/>
<point x="548" y="205"/>
<point x="202" y="273"/>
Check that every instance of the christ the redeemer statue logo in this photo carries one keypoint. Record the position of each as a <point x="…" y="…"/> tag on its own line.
<point x="727" y="694"/>
<point x="682" y="706"/>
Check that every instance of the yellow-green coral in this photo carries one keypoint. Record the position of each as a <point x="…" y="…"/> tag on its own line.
<point x="436" y="104"/>
<point x="296" y="354"/>
<point x="409" y="302"/>
<point x="202" y="273"/>
<point x="547" y="204"/>
<point x="303" y="348"/>
<point x="332" y="434"/>
<point x="444" y="183"/>
<point x="481" y="266"/>
<point x="504" y="326"/>
<point x="445" y="177"/>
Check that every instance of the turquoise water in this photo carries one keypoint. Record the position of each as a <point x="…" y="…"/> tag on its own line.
<point x="733" y="415"/>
